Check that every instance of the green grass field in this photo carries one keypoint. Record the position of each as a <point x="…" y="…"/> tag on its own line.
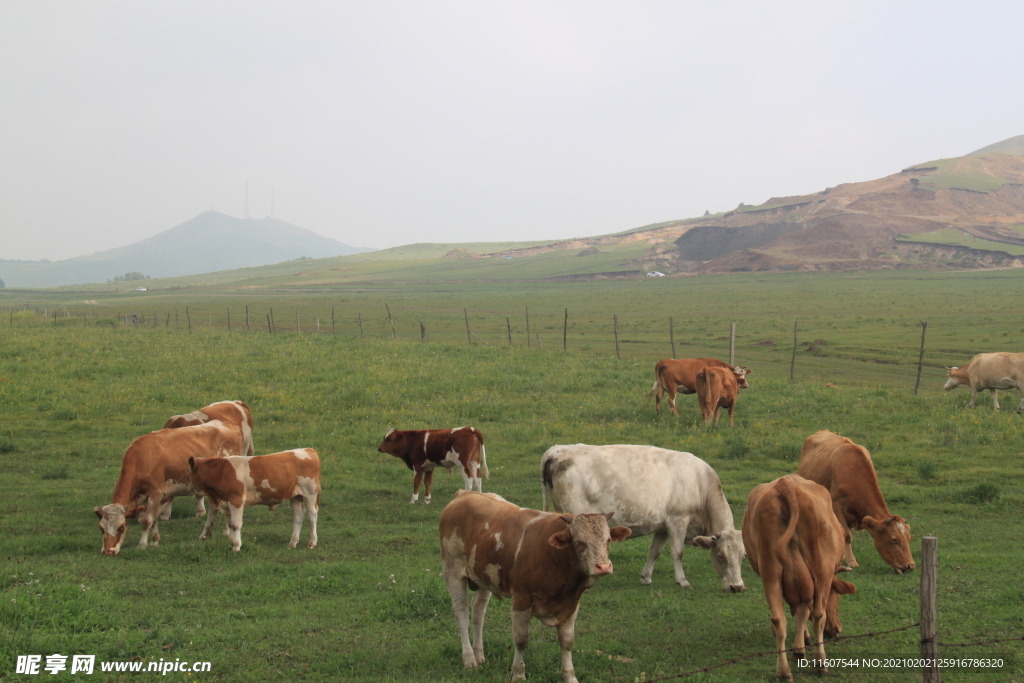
<point x="964" y="173"/>
<point x="962" y="239"/>
<point x="368" y="604"/>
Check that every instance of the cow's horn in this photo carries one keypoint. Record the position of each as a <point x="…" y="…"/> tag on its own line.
<point x="844" y="569"/>
<point x="609" y="515"/>
<point x="388" y="433"/>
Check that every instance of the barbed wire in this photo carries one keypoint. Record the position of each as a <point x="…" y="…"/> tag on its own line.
<point x="765" y="653"/>
<point x="982" y="642"/>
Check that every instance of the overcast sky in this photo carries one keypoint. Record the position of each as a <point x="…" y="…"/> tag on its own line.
<point x="384" y="123"/>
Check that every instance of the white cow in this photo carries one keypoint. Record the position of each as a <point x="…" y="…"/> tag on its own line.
<point x="675" y="496"/>
<point x="992" y="371"/>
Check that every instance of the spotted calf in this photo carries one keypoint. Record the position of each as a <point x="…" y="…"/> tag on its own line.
<point x="460" y="449"/>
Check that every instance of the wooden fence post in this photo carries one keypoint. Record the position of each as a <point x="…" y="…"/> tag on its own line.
<point x="177" y="321"/>
<point x="468" y="339"/>
<point x="334" y="330"/>
<point x="247" y="329"/>
<point x="929" y="614"/>
<point x="615" y="327"/>
<point x="168" y="320"/>
<point x="229" y="320"/>
<point x="391" y="320"/>
<point x="565" y="330"/>
<point x="298" y="327"/>
<point x="273" y="325"/>
<point x="508" y="326"/>
<point x="189" y="318"/>
<point x="732" y="344"/>
<point x="540" y="345"/>
<point x="672" y="335"/>
<point x="318" y="324"/>
<point x="527" y="327"/>
<point x="792" y="362"/>
<point x="270" y="326"/>
<point x="361" y="335"/>
<point x="920" y="358"/>
<point x="423" y="333"/>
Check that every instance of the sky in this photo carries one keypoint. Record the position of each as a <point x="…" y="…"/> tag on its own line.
<point x="386" y="123"/>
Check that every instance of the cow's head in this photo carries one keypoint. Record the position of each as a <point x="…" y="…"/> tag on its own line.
<point x="741" y="376"/>
<point x="954" y="378"/>
<point x="114" y="524"/>
<point x="833" y="627"/>
<point x="394" y="443"/>
<point x="726" y="555"/>
<point x="892" y="540"/>
<point x="588" y="535"/>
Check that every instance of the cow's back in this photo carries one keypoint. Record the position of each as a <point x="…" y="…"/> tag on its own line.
<point x="845" y="469"/>
<point x="988" y="366"/>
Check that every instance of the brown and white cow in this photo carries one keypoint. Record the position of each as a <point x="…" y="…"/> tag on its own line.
<point x="422" y="450"/>
<point x="542" y="561"/>
<point x="795" y="544"/>
<point x="716" y="388"/>
<point x="237" y="482"/>
<point x="153" y="471"/>
<point x="992" y="371"/>
<point x="673" y="375"/>
<point x="846" y="470"/>
<point x="230" y="412"/>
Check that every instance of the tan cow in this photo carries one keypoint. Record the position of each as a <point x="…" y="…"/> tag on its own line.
<point x="237" y="482"/>
<point x="153" y="471"/>
<point x="229" y="412"/>
<point x="846" y="470"/>
<point x="795" y="544"/>
<point x="673" y="375"/>
<point x="542" y="561"/>
<point x="716" y="388"/>
<point x="992" y="371"/>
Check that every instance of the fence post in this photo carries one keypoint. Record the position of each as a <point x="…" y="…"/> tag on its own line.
<point x="468" y="339"/>
<point x="792" y="362"/>
<point x="508" y="326"/>
<point x="929" y="616"/>
<point x="273" y="325"/>
<point x="732" y="344"/>
<point x="672" y="334"/>
<point x="527" y="327"/>
<point x="361" y="335"/>
<point x="920" y="358"/>
<point x="188" y="317"/>
<point x="565" y="329"/>
<point x="177" y="321"/>
<point x="540" y="345"/>
<point x="298" y="327"/>
<point x="334" y="330"/>
<point x="423" y="333"/>
<point x="229" y="320"/>
<point x="391" y="320"/>
<point x="615" y="327"/>
<point x="247" y="329"/>
<point x="168" y="321"/>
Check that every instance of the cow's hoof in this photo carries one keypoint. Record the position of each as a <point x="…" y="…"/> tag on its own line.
<point x="645" y="580"/>
<point x="469" y="660"/>
<point x="310" y="546"/>
<point x="203" y="537"/>
<point x="426" y="501"/>
<point x="291" y="546"/>
<point x="787" y="677"/>
<point x="235" y="550"/>
<point x="480" y="659"/>
<point x="684" y="584"/>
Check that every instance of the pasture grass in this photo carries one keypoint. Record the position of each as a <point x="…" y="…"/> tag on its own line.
<point x="368" y="604"/>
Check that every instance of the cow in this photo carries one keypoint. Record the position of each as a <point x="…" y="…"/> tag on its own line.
<point x="795" y="544"/>
<point x="675" y="496"/>
<point x="673" y="375"/>
<point x="992" y="371"/>
<point x="231" y="412"/>
<point x="423" y="450"/>
<point x="716" y="388"/>
<point x="543" y="561"/>
<point x="235" y="482"/>
<point x="153" y="471"/>
<point x="846" y="470"/>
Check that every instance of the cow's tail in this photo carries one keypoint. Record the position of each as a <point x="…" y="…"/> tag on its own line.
<point x="702" y="383"/>
<point x="657" y="384"/>
<point x="545" y="479"/>
<point x="786" y="492"/>
<point x="483" y="460"/>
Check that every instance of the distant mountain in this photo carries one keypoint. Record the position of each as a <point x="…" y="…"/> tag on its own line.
<point x="209" y="242"/>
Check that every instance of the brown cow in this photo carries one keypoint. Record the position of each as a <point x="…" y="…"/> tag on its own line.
<point x="155" y="470"/>
<point x="542" y="561"/>
<point x="992" y="371"/>
<point x="795" y="544"/>
<point x="846" y="470"/>
<point x="239" y="481"/>
<point x="673" y="375"/>
<point x="423" y="450"/>
<point x="230" y="412"/>
<point x="716" y="388"/>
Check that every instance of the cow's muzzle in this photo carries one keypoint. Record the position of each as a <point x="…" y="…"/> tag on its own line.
<point x="110" y="552"/>
<point x="903" y="570"/>
<point x="737" y="588"/>
<point x="602" y="568"/>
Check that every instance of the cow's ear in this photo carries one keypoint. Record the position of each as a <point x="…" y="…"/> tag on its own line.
<point x="705" y="542"/>
<point x="99" y="511"/>
<point x="871" y="524"/>
<point x="843" y="587"/>
<point x="134" y="512"/>
<point x="620" y="533"/>
<point x="561" y="539"/>
<point x="566" y="518"/>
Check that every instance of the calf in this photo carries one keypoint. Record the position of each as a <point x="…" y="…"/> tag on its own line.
<point x="795" y="544"/>
<point x="542" y="561"/>
<point x="231" y="484"/>
<point x="846" y="470"/>
<point x="992" y="371"/>
<point x="673" y="375"/>
<point x="423" y="450"/>
<point x="716" y="388"/>
<point x="154" y="470"/>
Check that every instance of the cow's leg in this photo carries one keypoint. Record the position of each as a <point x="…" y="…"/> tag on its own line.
<point x="672" y="400"/>
<point x="149" y="517"/>
<point x="677" y="540"/>
<point x="732" y="407"/>
<point x="209" y="522"/>
<point x="311" y="512"/>
<point x="818" y="623"/>
<point x="200" y="505"/>
<point x="521" y="639"/>
<point x="1020" y="408"/>
<point x="566" y="636"/>
<point x="657" y="398"/>
<point x="428" y="484"/>
<point x="657" y="543"/>
<point x="480" y="600"/>
<point x="466" y="473"/>
<point x="995" y="398"/>
<point x="165" y="511"/>
<point x="416" y="480"/>
<point x="298" y="514"/>
<point x="475" y="474"/>
<point x="773" y="593"/>
<point x="799" y="645"/>
<point x="974" y="395"/>
<point x="235" y="526"/>
<point x="457" y="587"/>
<point x="851" y="561"/>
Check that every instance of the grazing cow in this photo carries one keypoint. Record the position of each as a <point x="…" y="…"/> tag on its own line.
<point x="675" y="496"/>
<point x="846" y="470"/>
<point x="716" y="388"/>
<point x="236" y="482"/>
<point x="153" y="471"/>
<point x="673" y="376"/>
<point x="992" y="371"/>
<point x="423" y="450"/>
<point x="542" y="561"/>
<point x="795" y="544"/>
<point x="230" y="412"/>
